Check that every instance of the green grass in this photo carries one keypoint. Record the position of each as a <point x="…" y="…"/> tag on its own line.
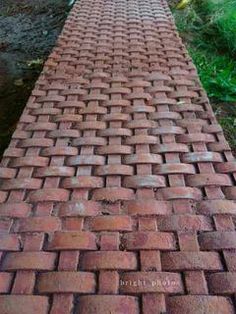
<point x="217" y="74"/>
<point x="208" y="28"/>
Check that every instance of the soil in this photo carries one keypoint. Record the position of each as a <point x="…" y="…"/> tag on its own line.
<point x="28" y="31"/>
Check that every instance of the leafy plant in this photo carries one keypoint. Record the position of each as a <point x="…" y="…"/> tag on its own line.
<point x="208" y="28"/>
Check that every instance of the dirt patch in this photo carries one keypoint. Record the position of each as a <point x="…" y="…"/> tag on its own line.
<point x="28" y="31"/>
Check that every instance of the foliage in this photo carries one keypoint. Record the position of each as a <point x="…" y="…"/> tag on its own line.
<point x="208" y="28"/>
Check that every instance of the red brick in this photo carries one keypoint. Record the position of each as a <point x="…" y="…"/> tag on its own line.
<point x="110" y="241"/>
<point x="201" y="304"/>
<point x="149" y="241"/>
<point x="196" y="282"/>
<point x="150" y="260"/>
<point x="153" y="303"/>
<point x="173" y="193"/>
<point x="21" y="183"/>
<point x="146" y="282"/>
<point x="188" y="241"/>
<point x="191" y="261"/>
<point x="29" y="261"/>
<point x="64" y="133"/>
<point x="230" y="192"/>
<point x="108" y="282"/>
<point x="9" y="242"/>
<point x="91" y="125"/>
<point x="213" y="207"/>
<point x="24" y="282"/>
<point x="184" y="223"/>
<point x="81" y="240"/>
<point x="89" y="141"/>
<point x="42" y="126"/>
<point x="208" y="179"/>
<point x="62" y="304"/>
<point x="25" y="304"/>
<point x="169" y="148"/>
<point x="195" y="138"/>
<point x="30" y="162"/>
<point x="141" y="139"/>
<point x="143" y="159"/>
<point x="7" y="173"/>
<point x="15" y="210"/>
<point x="226" y="167"/>
<point x="84" y="182"/>
<point x="113" y="170"/>
<point x="105" y="304"/>
<point x="86" y="160"/>
<point x="80" y="208"/>
<point x="59" y="151"/>
<point x="5" y="282"/>
<point x="147" y="224"/>
<point x="73" y="224"/>
<point x="167" y="130"/>
<point x="222" y="283"/>
<point x="113" y="194"/>
<point x="143" y="207"/>
<point x="54" y="172"/>
<point x="174" y="168"/>
<point x="49" y="195"/>
<point x="67" y="118"/>
<point x="149" y="181"/>
<point x="114" y="150"/>
<point x="109" y="260"/>
<point x="230" y="258"/>
<point x="66" y="282"/>
<point x="111" y="223"/>
<point x="38" y="224"/>
<point x="218" y="240"/>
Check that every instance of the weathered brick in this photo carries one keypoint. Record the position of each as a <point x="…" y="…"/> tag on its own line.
<point x="191" y="261"/>
<point x="109" y="260"/>
<point x="21" y="184"/>
<point x="84" y="182"/>
<point x="111" y="223"/>
<point x="213" y="207"/>
<point x="49" y="195"/>
<point x="184" y="223"/>
<point x="9" y="242"/>
<point x="38" y="224"/>
<point x="110" y="241"/>
<point x="25" y="304"/>
<point x="105" y="304"/>
<point x="218" y="240"/>
<point x="108" y="282"/>
<point x="222" y="283"/>
<point x="29" y="261"/>
<point x="147" y="207"/>
<point x="66" y="282"/>
<point x="146" y="282"/>
<point x="79" y="208"/>
<point x="149" y="241"/>
<point x="5" y="282"/>
<point x="199" y="305"/>
<point x="14" y="210"/>
<point x="71" y="240"/>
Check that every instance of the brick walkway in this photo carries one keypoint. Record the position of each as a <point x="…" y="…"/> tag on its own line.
<point x="117" y="187"/>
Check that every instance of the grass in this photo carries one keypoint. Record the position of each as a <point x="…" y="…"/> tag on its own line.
<point x="208" y="28"/>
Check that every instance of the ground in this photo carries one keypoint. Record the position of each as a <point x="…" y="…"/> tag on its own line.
<point x="28" y="31"/>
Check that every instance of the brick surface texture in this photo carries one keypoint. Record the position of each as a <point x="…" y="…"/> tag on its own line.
<point x="117" y="191"/>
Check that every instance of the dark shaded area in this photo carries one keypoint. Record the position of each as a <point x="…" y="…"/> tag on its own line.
<point x="28" y="31"/>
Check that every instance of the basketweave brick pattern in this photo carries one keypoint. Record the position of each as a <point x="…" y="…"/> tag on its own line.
<point x="117" y="189"/>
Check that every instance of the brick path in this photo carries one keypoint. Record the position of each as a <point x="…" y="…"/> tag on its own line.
<point x="117" y="188"/>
